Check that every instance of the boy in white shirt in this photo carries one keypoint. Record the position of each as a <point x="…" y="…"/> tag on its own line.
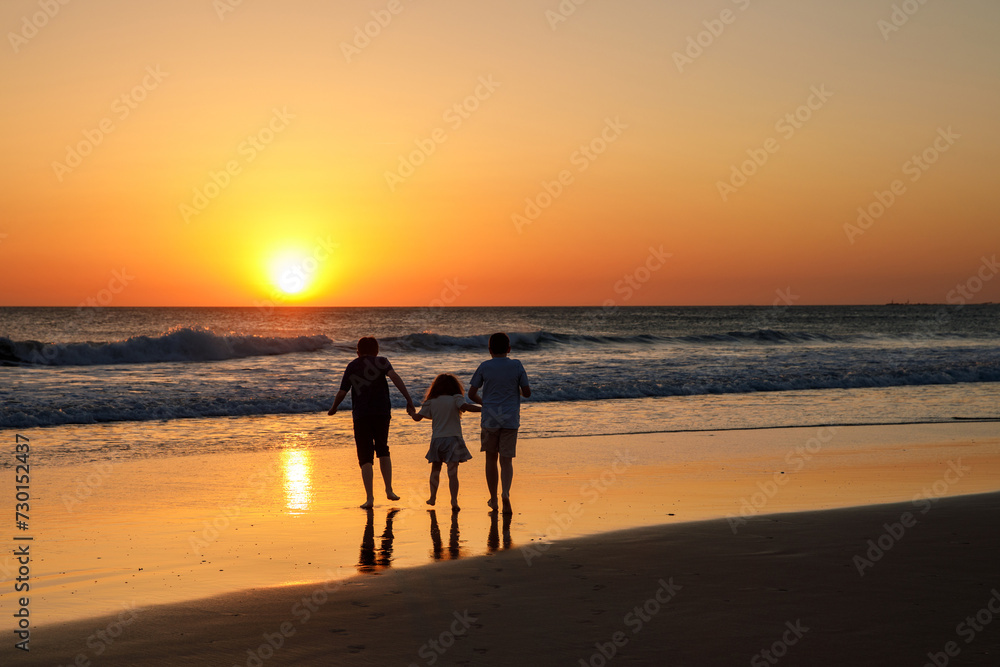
<point x="503" y="382"/>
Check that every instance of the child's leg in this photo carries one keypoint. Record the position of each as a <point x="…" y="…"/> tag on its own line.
<point x="435" y="480"/>
<point x="492" y="477"/>
<point x="453" y="484"/>
<point x="366" y="478"/>
<point x="363" y="441"/>
<point x="506" y="477"/>
<point x="508" y="449"/>
<point x="385" y="465"/>
<point x="380" y="436"/>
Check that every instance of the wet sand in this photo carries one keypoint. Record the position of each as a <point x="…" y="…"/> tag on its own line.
<point x="566" y="583"/>
<point x="687" y="594"/>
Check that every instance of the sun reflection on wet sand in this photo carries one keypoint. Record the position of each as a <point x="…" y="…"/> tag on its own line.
<point x="298" y="470"/>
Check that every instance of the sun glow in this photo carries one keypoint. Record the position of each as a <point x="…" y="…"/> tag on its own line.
<point x="291" y="272"/>
<point x="295" y="275"/>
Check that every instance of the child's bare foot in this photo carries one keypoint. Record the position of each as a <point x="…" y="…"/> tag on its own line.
<point x="492" y="502"/>
<point x="455" y="508"/>
<point x="368" y="504"/>
<point x="506" y="506"/>
<point x="390" y="495"/>
<point x="431" y="501"/>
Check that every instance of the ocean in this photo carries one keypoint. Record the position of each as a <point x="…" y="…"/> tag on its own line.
<point x="137" y="382"/>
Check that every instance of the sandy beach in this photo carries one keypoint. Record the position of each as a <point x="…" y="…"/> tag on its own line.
<point x="691" y="594"/>
<point x="191" y="560"/>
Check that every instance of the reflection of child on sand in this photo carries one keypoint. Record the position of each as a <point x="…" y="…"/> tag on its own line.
<point x="454" y="548"/>
<point x="444" y="405"/>
<point x="372" y="559"/>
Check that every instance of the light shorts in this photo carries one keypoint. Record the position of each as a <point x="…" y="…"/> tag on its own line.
<point x="501" y="441"/>
<point x="450" y="449"/>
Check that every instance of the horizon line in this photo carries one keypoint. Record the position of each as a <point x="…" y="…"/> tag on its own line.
<point x="614" y="307"/>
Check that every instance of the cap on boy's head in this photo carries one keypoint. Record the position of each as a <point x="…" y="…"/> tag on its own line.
<point x="499" y="343"/>
<point x="368" y="345"/>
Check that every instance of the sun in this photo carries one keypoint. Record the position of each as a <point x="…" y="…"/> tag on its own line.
<point x="293" y="272"/>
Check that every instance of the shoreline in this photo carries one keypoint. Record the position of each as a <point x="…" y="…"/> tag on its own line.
<point x="682" y="413"/>
<point x="691" y="593"/>
<point x="953" y="420"/>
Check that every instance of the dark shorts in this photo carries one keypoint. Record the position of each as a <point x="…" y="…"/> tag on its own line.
<point x="371" y="435"/>
<point x="502" y="441"/>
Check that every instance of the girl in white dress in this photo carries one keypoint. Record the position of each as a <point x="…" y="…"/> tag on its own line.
<point x="444" y="404"/>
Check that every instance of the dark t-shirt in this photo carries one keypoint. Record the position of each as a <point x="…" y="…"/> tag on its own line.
<point x="365" y="377"/>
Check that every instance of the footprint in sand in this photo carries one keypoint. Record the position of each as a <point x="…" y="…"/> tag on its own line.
<point x="575" y="566"/>
<point x="374" y="615"/>
<point x="357" y="648"/>
<point x="338" y="630"/>
<point x="481" y="651"/>
<point x="358" y="603"/>
<point x="598" y="587"/>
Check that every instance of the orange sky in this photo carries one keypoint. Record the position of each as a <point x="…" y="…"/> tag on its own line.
<point x="230" y="157"/>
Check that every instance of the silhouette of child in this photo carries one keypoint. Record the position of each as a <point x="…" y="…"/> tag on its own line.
<point x="503" y="382"/>
<point x="444" y="404"/>
<point x="365" y="378"/>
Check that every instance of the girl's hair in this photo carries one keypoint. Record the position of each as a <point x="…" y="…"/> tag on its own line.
<point x="445" y="384"/>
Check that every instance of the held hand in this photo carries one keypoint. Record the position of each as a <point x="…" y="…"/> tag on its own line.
<point x="410" y="410"/>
